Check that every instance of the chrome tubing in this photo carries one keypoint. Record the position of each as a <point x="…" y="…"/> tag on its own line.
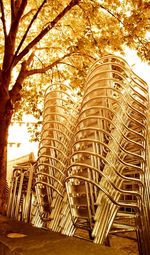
<point x="59" y="119"/>
<point x="108" y="158"/>
<point x="92" y="171"/>
<point x="20" y="193"/>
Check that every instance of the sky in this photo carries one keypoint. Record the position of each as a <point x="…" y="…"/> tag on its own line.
<point x="140" y="68"/>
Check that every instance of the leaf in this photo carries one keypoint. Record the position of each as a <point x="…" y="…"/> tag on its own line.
<point x="16" y="235"/>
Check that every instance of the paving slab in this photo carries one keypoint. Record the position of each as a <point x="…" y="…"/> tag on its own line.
<point x="36" y="241"/>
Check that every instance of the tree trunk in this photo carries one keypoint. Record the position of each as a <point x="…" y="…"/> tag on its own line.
<point x="5" y="118"/>
<point x="3" y="163"/>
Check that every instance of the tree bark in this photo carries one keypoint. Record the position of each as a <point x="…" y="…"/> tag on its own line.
<point x="3" y="162"/>
<point x="5" y="118"/>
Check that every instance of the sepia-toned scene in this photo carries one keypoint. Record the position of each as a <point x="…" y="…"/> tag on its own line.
<point x="74" y="127"/>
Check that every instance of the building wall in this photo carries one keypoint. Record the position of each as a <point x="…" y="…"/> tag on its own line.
<point x="20" y="148"/>
<point x="19" y="143"/>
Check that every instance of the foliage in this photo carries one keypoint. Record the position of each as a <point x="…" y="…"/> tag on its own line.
<point x="87" y="31"/>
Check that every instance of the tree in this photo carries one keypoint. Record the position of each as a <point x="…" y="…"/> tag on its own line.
<point x="49" y="40"/>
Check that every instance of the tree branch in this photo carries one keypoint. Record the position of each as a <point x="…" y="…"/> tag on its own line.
<point x="19" y="8"/>
<point x="12" y="10"/>
<point x="11" y="37"/>
<point x="3" y="18"/>
<point x="28" y="28"/>
<point x="17" y="12"/>
<point x="68" y="64"/>
<point x="32" y="11"/>
<point x="14" y="93"/>
<point x="46" y="68"/>
<point x="45" y="31"/>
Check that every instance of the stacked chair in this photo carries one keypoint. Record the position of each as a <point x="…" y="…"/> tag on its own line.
<point x="20" y="192"/>
<point x="91" y="178"/>
<point x="59" y="118"/>
<point x="107" y="183"/>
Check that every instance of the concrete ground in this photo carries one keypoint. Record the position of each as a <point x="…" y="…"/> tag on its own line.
<point x="45" y="242"/>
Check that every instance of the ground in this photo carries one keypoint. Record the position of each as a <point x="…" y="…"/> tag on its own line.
<point x="34" y="241"/>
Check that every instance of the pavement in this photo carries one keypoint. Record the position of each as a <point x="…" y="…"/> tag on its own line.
<point x="36" y="241"/>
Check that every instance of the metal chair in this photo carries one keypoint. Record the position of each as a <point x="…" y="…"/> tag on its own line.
<point x="106" y="184"/>
<point x="59" y="118"/>
<point x="20" y="193"/>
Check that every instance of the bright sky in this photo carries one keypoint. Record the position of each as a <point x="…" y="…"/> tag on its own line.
<point x="140" y="68"/>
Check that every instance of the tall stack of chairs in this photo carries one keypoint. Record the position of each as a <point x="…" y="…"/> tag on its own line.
<point x="59" y="118"/>
<point x="108" y="175"/>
